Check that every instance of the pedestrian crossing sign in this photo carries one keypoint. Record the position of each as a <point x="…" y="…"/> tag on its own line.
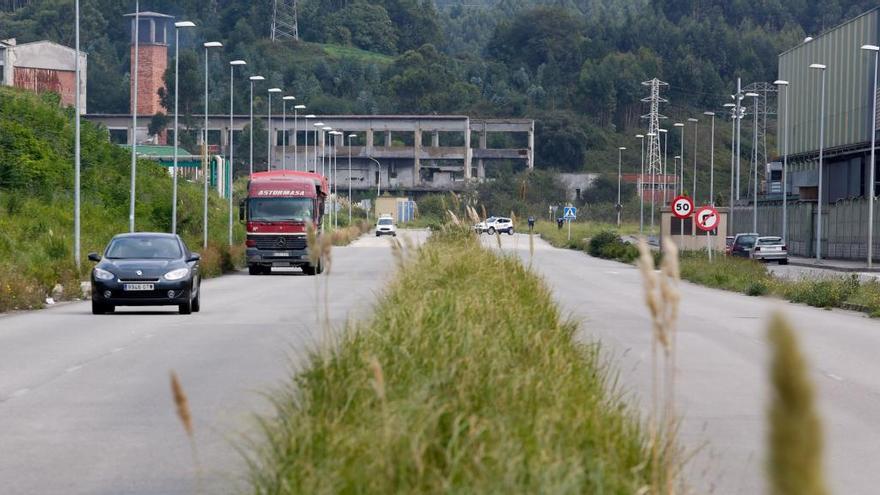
<point x="569" y="213"/>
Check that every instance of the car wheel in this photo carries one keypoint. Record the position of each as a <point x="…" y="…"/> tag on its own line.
<point x="491" y="230"/>
<point x="510" y="231"/>
<point x="254" y="270"/>
<point x="783" y="262"/>
<point x="308" y="270"/>
<point x="197" y="302"/>
<point x="100" y="309"/>
<point x="394" y="234"/>
<point x="320" y="268"/>
<point x="185" y="308"/>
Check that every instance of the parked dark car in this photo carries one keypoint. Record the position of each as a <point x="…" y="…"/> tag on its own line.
<point x="146" y="269"/>
<point x="743" y="245"/>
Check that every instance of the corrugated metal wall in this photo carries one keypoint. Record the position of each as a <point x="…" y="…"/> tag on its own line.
<point x="848" y="101"/>
<point x="844" y="227"/>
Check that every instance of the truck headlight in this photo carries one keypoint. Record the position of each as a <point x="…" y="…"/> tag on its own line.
<point x="177" y="274"/>
<point x="101" y="274"/>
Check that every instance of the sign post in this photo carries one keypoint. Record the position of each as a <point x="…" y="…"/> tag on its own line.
<point x="707" y="221"/>
<point x="682" y="207"/>
<point x="569" y="214"/>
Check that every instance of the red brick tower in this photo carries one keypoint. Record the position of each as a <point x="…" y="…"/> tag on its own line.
<point x="152" y="61"/>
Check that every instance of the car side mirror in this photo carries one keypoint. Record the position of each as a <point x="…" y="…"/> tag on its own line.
<point x="94" y="257"/>
<point x="193" y="257"/>
<point x="241" y="212"/>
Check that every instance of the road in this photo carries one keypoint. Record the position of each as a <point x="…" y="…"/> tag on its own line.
<point x="722" y="367"/>
<point x="85" y="401"/>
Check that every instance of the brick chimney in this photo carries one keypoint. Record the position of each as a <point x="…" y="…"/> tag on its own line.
<point x="152" y="61"/>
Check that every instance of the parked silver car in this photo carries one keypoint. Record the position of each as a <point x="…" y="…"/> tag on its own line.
<point x="770" y="248"/>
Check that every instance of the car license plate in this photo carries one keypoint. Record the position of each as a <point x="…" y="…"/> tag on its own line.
<point x="775" y="248"/>
<point x="281" y="254"/>
<point x="136" y="287"/>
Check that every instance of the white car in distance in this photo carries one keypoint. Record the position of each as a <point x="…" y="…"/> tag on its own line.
<point x="495" y="224"/>
<point x="385" y="226"/>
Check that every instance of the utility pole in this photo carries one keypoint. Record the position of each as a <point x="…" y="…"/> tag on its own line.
<point x="654" y="160"/>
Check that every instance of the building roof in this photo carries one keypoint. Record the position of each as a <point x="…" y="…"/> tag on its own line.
<point x="165" y="155"/>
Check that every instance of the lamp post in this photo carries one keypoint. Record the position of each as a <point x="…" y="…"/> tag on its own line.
<point x="822" y="68"/>
<point x="271" y="142"/>
<point x="784" y="85"/>
<point x="641" y="186"/>
<point x="306" y="166"/>
<point x="177" y="27"/>
<point x="317" y="126"/>
<point x="618" y="206"/>
<point x="733" y="117"/>
<point x="696" y="135"/>
<point x="873" y="165"/>
<point x="754" y="97"/>
<point x="296" y="109"/>
<point x="76" y="148"/>
<point x="349" y="176"/>
<point x="740" y="112"/>
<point x="208" y="45"/>
<point x="231" y="165"/>
<point x="134" y="112"/>
<point x="325" y="163"/>
<point x="680" y="125"/>
<point x="253" y="79"/>
<point x="665" y="133"/>
<point x="284" y="130"/>
<point x="335" y="153"/>
<point x="678" y="162"/>
<point x="711" y="160"/>
<point x="653" y="187"/>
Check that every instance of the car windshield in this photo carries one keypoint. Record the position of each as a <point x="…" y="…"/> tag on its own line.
<point x="747" y="240"/>
<point x="491" y="219"/>
<point x="764" y="241"/>
<point x="280" y="209"/>
<point x="162" y="248"/>
<point x="385" y="221"/>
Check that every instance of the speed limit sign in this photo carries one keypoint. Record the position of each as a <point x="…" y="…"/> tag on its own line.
<point x="682" y="207"/>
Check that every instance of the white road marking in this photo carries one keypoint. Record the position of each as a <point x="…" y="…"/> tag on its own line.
<point x="116" y="349"/>
<point x="73" y="368"/>
<point x="19" y="392"/>
<point x="834" y="377"/>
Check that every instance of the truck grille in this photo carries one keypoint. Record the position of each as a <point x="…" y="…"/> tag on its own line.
<point x="276" y="242"/>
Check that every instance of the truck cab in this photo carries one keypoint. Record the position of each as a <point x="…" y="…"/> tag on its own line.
<point x="279" y="207"/>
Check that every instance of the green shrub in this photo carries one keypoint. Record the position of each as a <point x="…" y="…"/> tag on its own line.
<point x="824" y="293"/>
<point x="758" y="288"/>
<point x="607" y="244"/>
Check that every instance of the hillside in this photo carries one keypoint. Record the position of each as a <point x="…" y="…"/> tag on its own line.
<point x="36" y="200"/>
<point x="575" y="66"/>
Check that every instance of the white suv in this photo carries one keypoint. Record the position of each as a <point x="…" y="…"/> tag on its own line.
<point x="495" y="224"/>
<point x="385" y="226"/>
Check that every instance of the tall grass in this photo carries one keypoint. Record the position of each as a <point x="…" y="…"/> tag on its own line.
<point x="466" y="380"/>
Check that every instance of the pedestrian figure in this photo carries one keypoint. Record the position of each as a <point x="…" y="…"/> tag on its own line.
<point x="559" y="222"/>
<point x="531" y="223"/>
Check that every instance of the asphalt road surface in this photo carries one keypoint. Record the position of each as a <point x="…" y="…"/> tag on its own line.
<point x="85" y="401"/>
<point x="722" y="383"/>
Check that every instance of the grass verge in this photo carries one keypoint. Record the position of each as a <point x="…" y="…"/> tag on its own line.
<point x="466" y="380"/>
<point x="581" y="232"/>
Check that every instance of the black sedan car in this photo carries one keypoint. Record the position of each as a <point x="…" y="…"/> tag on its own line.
<point x="146" y="269"/>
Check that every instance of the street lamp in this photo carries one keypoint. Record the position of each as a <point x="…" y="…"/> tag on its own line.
<point x="677" y="162"/>
<point x="325" y="163"/>
<point x="733" y="117"/>
<point x="665" y="133"/>
<point x="349" y="176"/>
<point x="651" y="135"/>
<point x="208" y="45"/>
<point x="284" y="130"/>
<point x="307" y="117"/>
<point x="618" y="206"/>
<point x="822" y="68"/>
<point x="872" y="189"/>
<point x="271" y="142"/>
<point x="134" y="112"/>
<point x="231" y="164"/>
<point x="296" y="110"/>
<point x="754" y="97"/>
<point x="177" y="27"/>
<point x="253" y="79"/>
<point x="641" y="185"/>
<point x="711" y="160"/>
<point x="784" y="84"/>
<point x="76" y="147"/>
<point x="317" y="125"/>
<point x="680" y="125"/>
<point x="696" y="135"/>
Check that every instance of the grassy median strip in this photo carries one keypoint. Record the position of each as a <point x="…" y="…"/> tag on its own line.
<point x="466" y="380"/>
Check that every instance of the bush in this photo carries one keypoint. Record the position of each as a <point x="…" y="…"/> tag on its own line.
<point x="609" y="245"/>
<point x="824" y="293"/>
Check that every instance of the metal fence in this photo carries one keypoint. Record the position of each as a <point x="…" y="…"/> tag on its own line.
<point x="844" y="227"/>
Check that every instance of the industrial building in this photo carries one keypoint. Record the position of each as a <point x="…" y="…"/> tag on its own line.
<point x="848" y="124"/>
<point x="43" y="66"/>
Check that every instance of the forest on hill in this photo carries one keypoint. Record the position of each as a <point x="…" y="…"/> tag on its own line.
<point x="576" y="66"/>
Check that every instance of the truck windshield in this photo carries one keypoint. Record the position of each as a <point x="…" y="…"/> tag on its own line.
<point x="280" y="209"/>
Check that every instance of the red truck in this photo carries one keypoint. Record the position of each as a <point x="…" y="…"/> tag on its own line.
<point x="278" y="208"/>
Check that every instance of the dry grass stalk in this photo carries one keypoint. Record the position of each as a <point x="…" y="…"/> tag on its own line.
<point x="662" y="298"/>
<point x="183" y="412"/>
<point x="794" y="464"/>
<point x="472" y="212"/>
<point x="453" y="218"/>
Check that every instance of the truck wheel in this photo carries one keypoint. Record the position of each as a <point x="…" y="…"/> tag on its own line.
<point x="308" y="270"/>
<point x="254" y="270"/>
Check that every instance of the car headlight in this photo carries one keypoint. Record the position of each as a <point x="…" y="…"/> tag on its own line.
<point x="177" y="274"/>
<point x="101" y="274"/>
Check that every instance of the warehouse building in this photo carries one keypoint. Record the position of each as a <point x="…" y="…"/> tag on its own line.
<point x="41" y="67"/>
